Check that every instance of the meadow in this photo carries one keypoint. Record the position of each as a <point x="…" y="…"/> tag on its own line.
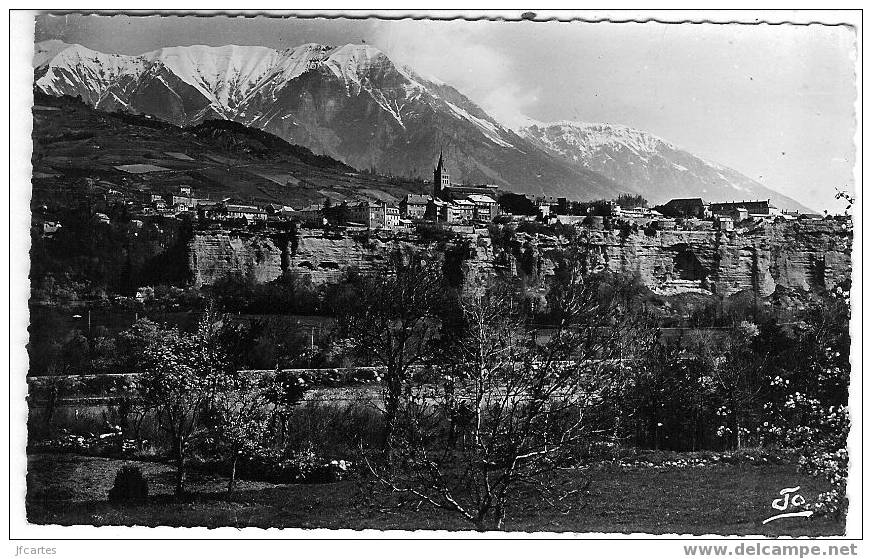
<point x="670" y="496"/>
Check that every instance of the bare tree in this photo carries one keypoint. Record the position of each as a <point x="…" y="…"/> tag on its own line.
<point x="390" y="317"/>
<point x="531" y="407"/>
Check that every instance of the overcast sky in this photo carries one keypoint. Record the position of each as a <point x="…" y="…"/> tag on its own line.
<point x="773" y="102"/>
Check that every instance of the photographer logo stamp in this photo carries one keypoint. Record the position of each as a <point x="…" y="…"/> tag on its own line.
<point x="790" y="499"/>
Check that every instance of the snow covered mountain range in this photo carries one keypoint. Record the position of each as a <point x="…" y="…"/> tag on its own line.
<point x="646" y="163"/>
<point x="353" y="103"/>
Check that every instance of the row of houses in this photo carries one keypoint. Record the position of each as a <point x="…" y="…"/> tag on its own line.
<point x="219" y="211"/>
<point x="449" y="203"/>
<point x="182" y="199"/>
<point x="375" y="215"/>
<point x="725" y="215"/>
<point x="472" y="207"/>
<point x="736" y="211"/>
<point x="413" y="207"/>
<point x="547" y="208"/>
<point x="369" y="214"/>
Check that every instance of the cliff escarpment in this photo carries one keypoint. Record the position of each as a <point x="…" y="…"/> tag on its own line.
<point x="319" y="256"/>
<point x="797" y="255"/>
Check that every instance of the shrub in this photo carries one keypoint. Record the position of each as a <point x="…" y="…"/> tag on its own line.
<point x="808" y="409"/>
<point x="434" y="233"/>
<point x="334" y="428"/>
<point x="130" y="486"/>
<point x="305" y="466"/>
<point x="364" y="375"/>
<point x="534" y="228"/>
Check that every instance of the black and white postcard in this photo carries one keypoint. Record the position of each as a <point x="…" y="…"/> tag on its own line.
<point x="423" y="274"/>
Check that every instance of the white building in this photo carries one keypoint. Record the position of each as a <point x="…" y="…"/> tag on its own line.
<point x="486" y="208"/>
<point x="374" y="215"/>
<point x="251" y="213"/>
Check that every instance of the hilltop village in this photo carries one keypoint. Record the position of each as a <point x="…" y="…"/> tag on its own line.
<point x="450" y="204"/>
<point x="125" y="205"/>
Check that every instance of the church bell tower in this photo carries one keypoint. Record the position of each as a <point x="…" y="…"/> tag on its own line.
<point x="441" y="178"/>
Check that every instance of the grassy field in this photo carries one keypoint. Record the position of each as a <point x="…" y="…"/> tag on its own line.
<point x="713" y="499"/>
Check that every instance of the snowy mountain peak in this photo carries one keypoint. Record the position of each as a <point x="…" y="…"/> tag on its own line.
<point x="45" y="51"/>
<point x="646" y="163"/>
<point x="353" y="63"/>
<point x="590" y="136"/>
<point x="227" y="76"/>
<point x="76" y="69"/>
<point x="78" y="54"/>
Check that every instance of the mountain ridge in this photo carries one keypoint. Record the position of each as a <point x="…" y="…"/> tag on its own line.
<point x="350" y="102"/>
<point x="648" y="162"/>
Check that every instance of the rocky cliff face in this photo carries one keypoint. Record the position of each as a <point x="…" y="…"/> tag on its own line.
<point x="312" y="254"/>
<point x="800" y="255"/>
<point x="212" y="256"/>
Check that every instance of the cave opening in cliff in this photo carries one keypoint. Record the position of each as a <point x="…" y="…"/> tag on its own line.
<point x="688" y="267"/>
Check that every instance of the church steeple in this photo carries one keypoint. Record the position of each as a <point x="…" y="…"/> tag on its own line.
<point x="441" y="179"/>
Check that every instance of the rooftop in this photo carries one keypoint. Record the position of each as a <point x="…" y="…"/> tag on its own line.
<point x="734" y="202"/>
<point x="242" y="208"/>
<point x="687" y="201"/>
<point x="417" y="199"/>
<point x="481" y="199"/>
